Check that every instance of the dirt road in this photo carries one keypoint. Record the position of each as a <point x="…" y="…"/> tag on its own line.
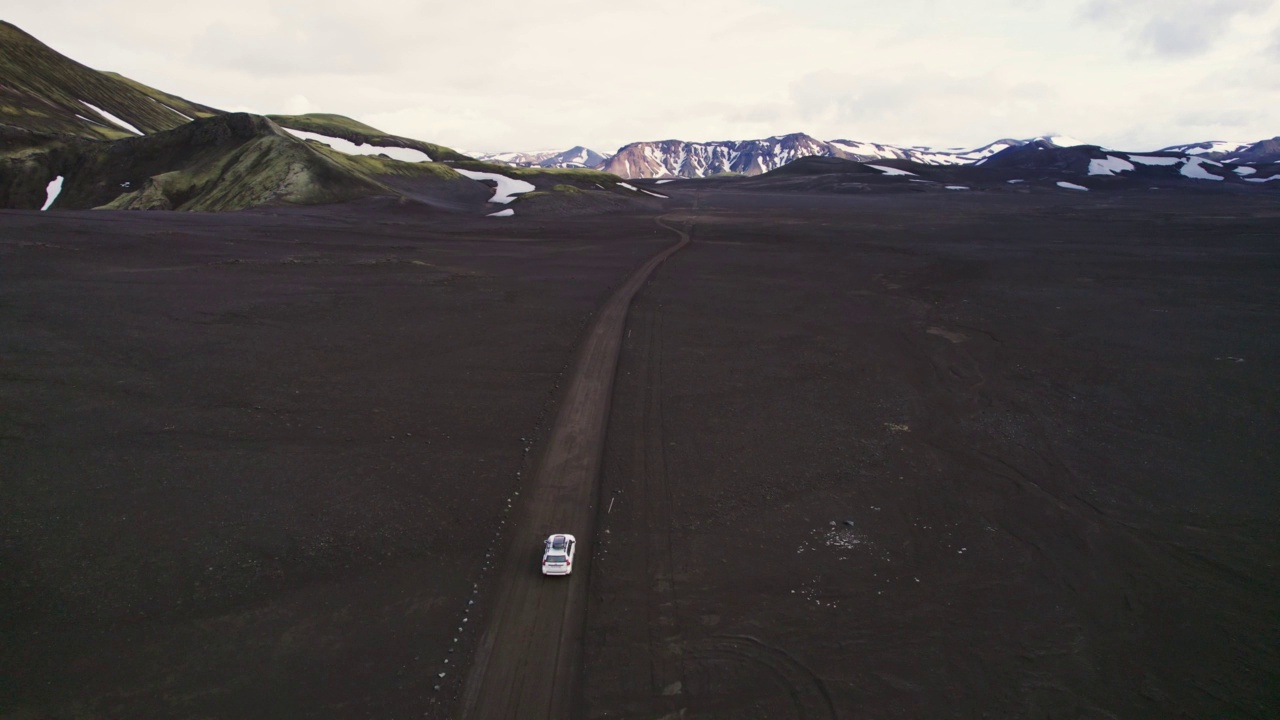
<point x="527" y="662"/>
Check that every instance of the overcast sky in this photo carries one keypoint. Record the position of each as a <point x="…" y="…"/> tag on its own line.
<point x="549" y="74"/>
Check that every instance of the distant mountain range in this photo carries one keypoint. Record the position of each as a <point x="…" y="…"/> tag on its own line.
<point x="676" y="158"/>
<point x="72" y="137"/>
<point x="575" y="157"/>
<point x="1035" y="166"/>
<point x="683" y="159"/>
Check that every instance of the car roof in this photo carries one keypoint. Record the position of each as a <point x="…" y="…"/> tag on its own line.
<point x="560" y="541"/>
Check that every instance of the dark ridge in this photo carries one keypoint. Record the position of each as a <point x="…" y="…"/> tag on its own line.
<point x="1041" y="156"/>
<point x="821" y="165"/>
<point x="1266" y="151"/>
<point x="357" y="132"/>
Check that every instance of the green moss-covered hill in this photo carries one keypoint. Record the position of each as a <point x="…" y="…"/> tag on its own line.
<point x="224" y="162"/>
<point x="188" y="156"/>
<point x="44" y="91"/>
<point x="357" y="132"/>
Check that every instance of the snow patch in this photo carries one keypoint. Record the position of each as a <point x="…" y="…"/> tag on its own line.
<point x="867" y="150"/>
<point x="632" y="188"/>
<point x="52" y="192"/>
<point x="175" y="112"/>
<point x="663" y="182"/>
<point x="1071" y="186"/>
<point x="507" y="188"/>
<point x="1213" y="146"/>
<point x="1242" y="171"/>
<point x="957" y="187"/>
<point x="1065" y="141"/>
<point x="113" y="118"/>
<point x="891" y="170"/>
<point x="1194" y="169"/>
<point x="349" y="148"/>
<point x="502" y="213"/>
<point x="1261" y="180"/>
<point x="1154" y="160"/>
<point x="1015" y="182"/>
<point x="1109" y="165"/>
<point x="990" y="150"/>
<point x="646" y="192"/>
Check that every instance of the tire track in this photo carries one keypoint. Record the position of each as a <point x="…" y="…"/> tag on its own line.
<point x="528" y="661"/>
<point x="677" y="672"/>
<point x="808" y="695"/>
<point x="651" y="461"/>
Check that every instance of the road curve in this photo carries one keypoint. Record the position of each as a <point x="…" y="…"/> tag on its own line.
<point x="527" y="664"/>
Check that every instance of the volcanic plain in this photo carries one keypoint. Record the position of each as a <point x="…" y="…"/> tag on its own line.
<point x="884" y="455"/>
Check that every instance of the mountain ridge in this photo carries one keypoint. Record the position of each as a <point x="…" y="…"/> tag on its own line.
<point x="106" y="140"/>
<point x="678" y="158"/>
<point x="1036" y="166"/>
<point x="673" y="158"/>
<point x="575" y="157"/>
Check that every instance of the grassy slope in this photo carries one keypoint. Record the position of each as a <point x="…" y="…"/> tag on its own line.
<point x="239" y="162"/>
<point x="374" y="166"/>
<point x="561" y="190"/>
<point x="226" y="162"/>
<point x="229" y="163"/>
<point x="182" y="105"/>
<point x="343" y="127"/>
<point x="263" y="171"/>
<point x="28" y="161"/>
<point x="548" y="179"/>
<point x="42" y="91"/>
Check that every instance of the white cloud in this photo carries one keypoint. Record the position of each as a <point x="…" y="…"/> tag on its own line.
<point x="1176" y="28"/>
<point x="517" y="75"/>
<point x="298" y="105"/>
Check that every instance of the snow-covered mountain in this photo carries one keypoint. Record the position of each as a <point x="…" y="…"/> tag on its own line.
<point x="1212" y="149"/>
<point x="1035" y="166"/>
<point x="575" y="157"/>
<point x="1041" y="160"/>
<point x="1263" y="151"/>
<point x="677" y="158"/>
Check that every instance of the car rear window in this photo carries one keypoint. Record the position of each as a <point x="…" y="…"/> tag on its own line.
<point x="555" y="559"/>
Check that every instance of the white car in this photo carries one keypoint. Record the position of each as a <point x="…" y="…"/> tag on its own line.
<point x="557" y="554"/>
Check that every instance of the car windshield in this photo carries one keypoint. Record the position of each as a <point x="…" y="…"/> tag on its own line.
<point x="559" y="542"/>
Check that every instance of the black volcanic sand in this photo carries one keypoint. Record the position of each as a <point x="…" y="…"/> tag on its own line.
<point x="251" y="463"/>
<point x="947" y="457"/>
<point x="892" y="456"/>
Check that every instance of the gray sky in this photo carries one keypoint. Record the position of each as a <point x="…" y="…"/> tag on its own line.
<point x="548" y="74"/>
